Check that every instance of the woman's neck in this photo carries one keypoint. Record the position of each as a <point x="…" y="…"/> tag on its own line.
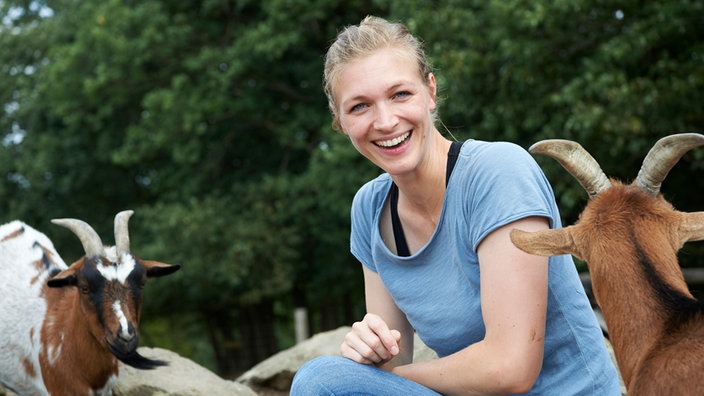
<point x="423" y="190"/>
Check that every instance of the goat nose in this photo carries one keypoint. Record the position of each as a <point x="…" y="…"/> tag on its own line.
<point x="126" y="335"/>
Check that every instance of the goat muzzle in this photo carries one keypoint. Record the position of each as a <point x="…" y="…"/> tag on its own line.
<point x="127" y="353"/>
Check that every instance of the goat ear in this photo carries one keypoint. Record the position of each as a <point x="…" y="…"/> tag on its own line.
<point x="692" y="227"/>
<point x="156" y="268"/>
<point x="63" y="278"/>
<point x="552" y="242"/>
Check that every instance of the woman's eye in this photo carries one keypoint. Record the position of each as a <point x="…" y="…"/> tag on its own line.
<point x="357" y="107"/>
<point x="402" y="94"/>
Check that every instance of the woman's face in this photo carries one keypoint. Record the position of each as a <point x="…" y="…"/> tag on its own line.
<point x="385" y="108"/>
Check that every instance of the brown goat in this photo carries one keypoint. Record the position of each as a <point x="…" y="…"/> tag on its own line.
<point x="64" y="328"/>
<point x="629" y="236"/>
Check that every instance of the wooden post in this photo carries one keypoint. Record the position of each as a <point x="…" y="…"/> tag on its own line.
<point x="300" y="319"/>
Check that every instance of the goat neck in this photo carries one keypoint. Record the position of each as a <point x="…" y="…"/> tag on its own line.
<point x="70" y="341"/>
<point x="638" y="278"/>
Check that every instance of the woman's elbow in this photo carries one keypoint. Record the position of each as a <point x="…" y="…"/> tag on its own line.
<point x="519" y="386"/>
<point x="517" y="375"/>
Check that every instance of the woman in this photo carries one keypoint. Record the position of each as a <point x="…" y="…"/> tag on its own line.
<point x="432" y="234"/>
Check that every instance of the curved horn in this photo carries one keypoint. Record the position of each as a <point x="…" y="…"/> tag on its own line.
<point x="122" y="236"/>
<point x="662" y="157"/>
<point x="577" y="161"/>
<point x="90" y="240"/>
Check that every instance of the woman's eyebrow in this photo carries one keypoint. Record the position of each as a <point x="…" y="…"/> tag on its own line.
<point x="362" y="96"/>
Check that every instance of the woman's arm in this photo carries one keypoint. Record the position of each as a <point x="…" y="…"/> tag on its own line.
<point x="384" y="337"/>
<point x="514" y="301"/>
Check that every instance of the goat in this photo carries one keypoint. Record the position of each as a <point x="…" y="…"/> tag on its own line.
<point x="63" y="328"/>
<point x="629" y="236"/>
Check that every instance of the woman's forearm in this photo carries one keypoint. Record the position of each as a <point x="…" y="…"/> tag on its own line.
<point x="477" y="370"/>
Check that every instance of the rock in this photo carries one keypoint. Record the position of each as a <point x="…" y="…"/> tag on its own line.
<point x="181" y="377"/>
<point x="275" y="374"/>
<point x="613" y="358"/>
<point x="6" y="392"/>
<point x="272" y="377"/>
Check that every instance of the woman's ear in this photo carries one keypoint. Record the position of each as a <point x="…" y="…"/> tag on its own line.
<point x="337" y="125"/>
<point x="432" y="90"/>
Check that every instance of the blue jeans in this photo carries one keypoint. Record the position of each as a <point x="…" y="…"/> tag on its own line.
<point x="338" y="376"/>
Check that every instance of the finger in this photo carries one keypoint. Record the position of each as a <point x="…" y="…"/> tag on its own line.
<point x="350" y="353"/>
<point x="389" y="338"/>
<point x="355" y="348"/>
<point x="367" y="343"/>
<point x="397" y="335"/>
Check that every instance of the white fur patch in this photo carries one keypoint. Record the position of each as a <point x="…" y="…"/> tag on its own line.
<point x="22" y="304"/>
<point x="107" y="389"/>
<point x="54" y="351"/>
<point x="118" y="271"/>
<point x="117" y="308"/>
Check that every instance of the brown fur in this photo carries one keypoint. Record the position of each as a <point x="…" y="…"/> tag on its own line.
<point x="13" y="235"/>
<point x="62" y="332"/>
<point x="83" y="334"/>
<point x="71" y="323"/>
<point x="630" y="241"/>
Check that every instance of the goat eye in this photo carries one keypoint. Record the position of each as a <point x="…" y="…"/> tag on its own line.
<point x="85" y="289"/>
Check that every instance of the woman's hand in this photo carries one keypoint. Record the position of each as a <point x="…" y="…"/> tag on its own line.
<point x="371" y="341"/>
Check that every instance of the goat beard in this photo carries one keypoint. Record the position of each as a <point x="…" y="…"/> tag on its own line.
<point x="134" y="359"/>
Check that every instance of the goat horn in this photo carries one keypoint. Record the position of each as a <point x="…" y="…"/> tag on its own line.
<point x="122" y="236"/>
<point x="662" y="157"/>
<point x="577" y="161"/>
<point x="90" y="240"/>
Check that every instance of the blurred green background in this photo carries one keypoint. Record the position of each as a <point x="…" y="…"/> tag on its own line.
<point x="208" y="119"/>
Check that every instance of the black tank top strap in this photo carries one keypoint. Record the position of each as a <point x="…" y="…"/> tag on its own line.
<point x="400" y="238"/>
<point x="452" y="159"/>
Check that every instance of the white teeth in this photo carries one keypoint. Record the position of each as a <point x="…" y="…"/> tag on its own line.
<point x="393" y="142"/>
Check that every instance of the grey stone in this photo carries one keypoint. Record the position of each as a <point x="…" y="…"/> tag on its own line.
<point x="276" y="373"/>
<point x="181" y="377"/>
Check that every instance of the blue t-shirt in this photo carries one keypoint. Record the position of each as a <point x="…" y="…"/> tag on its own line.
<point x="438" y="287"/>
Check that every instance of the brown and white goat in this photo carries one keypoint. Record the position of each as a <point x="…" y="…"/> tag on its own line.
<point x="63" y="328"/>
<point x="629" y="236"/>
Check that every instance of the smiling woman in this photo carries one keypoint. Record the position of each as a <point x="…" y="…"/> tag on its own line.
<point x="384" y="106"/>
<point x="432" y="235"/>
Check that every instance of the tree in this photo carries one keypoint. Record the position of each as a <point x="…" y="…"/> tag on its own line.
<point x="614" y="77"/>
<point x="208" y="119"/>
<point x="202" y="116"/>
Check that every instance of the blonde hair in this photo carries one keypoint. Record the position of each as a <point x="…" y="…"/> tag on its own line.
<point x="356" y="41"/>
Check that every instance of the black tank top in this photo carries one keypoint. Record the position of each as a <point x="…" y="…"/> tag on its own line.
<point x="399" y="236"/>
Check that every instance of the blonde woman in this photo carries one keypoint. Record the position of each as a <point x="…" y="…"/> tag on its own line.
<point x="432" y="235"/>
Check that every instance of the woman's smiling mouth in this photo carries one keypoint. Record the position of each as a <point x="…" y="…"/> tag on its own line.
<point x="393" y="142"/>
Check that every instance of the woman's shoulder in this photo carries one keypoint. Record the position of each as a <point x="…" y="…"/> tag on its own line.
<point x="496" y="149"/>
<point x="500" y="156"/>
<point x="373" y="191"/>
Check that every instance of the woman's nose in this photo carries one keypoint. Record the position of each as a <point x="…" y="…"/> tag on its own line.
<point x="384" y="117"/>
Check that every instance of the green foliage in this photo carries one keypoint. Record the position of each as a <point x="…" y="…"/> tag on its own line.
<point x="614" y="77"/>
<point x="208" y="119"/>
